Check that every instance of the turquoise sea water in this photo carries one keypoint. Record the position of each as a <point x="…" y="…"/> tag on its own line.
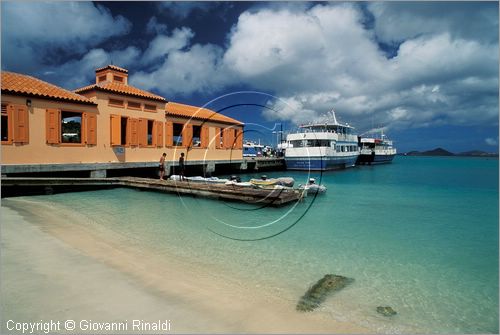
<point x="420" y="235"/>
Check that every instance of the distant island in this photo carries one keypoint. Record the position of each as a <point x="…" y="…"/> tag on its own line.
<point x="443" y="152"/>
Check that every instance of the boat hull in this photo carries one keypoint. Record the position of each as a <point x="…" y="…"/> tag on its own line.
<point x="320" y="163"/>
<point x="374" y="159"/>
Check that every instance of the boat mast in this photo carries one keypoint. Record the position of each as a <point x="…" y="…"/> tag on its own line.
<point x="333" y="116"/>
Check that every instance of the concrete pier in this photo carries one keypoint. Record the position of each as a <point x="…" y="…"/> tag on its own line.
<point x="12" y="186"/>
<point x="143" y="169"/>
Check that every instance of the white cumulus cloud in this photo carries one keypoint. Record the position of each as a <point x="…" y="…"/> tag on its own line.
<point x="81" y="72"/>
<point x="155" y="27"/>
<point x="314" y="57"/>
<point x="183" y="72"/>
<point x="325" y="57"/>
<point x="399" y="21"/>
<point x="491" y="141"/>
<point x="162" y="44"/>
<point x="32" y="29"/>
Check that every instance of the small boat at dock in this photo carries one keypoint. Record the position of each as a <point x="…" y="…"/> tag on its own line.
<point x="312" y="188"/>
<point x="199" y="179"/>
<point x="263" y="182"/>
<point x="239" y="183"/>
<point x="282" y="181"/>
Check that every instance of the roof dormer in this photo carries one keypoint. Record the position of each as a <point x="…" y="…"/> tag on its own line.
<point x="110" y="74"/>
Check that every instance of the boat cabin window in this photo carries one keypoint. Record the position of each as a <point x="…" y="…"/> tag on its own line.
<point x="336" y="129"/>
<point x="297" y="143"/>
<point x="318" y="143"/>
<point x="310" y="143"/>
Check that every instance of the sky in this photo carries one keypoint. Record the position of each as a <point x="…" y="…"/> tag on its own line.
<point x="426" y="73"/>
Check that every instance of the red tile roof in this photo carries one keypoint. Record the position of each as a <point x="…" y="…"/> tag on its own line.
<point x="112" y="67"/>
<point x="16" y="83"/>
<point x="177" y="109"/>
<point x="119" y="88"/>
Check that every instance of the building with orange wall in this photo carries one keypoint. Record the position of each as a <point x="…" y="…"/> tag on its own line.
<point x="107" y="125"/>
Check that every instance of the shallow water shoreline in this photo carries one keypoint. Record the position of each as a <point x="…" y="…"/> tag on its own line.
<point x="103" y="276"/>
<point x="419" y="235"/>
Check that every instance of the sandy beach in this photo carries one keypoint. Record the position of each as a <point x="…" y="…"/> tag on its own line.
<point x="55" y="265"/>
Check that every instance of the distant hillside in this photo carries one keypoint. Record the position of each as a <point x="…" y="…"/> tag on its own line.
<point x="478" y="153"/>
<point x="438" y="152"/>
<point x="443" y="152"/>
<point x="435" y="152"/>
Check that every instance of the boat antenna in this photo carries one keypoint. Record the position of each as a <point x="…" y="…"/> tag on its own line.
<point x="333" y="116"/>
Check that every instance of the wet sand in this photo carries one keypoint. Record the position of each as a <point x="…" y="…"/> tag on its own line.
<point x="55" y="265"/>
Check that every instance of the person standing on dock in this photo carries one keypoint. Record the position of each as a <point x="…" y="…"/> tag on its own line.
<point x="181" y="166"/>
<point x="162" y="165"/>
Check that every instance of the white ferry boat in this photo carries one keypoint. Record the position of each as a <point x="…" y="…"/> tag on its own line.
<point x="252" y="149"/>
<point x="375" y="150"/>
<point x="322" y="146"/>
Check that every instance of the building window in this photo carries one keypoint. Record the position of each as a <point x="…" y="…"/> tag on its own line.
<point x="178" y="134"/>
<point x="134" y="105"/>
<point x="102" y="78"/>
<point x="222" y="132"/>
<point x="123" y="130"/>
<point x="150" y="108"/>
<point x="118" y="79"/>
<point x="150" y="132"/>
<point x="71" y="127"/>
<point x="67" y="127"/>
<point x="196" y="136"/>
<point x="116" y="102"/>
<point x="232" y="137"/>
<point x="5" y="124"/>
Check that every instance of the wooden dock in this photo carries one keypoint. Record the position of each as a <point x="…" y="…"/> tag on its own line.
<point x="272" y="197"/>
